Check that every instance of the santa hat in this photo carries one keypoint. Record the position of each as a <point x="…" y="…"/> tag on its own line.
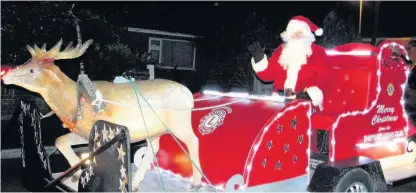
<point x="312" y="26"/>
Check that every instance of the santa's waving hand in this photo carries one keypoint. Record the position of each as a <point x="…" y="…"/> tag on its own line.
<point x="298" y="65"/>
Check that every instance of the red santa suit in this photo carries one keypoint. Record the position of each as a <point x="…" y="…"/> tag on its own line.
<point x="291" y="71"/>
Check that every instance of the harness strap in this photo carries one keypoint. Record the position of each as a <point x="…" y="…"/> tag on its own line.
<point x="85" y="84"/>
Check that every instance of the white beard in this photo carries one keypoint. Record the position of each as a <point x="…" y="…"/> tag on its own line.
<point x="295" y="53"/>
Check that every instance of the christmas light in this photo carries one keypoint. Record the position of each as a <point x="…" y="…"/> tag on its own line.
<point x="275" y="97"/>
<point x="350" y="53"/>
<point x="259" y="140"/>
<point x="374" y="102"/>
<point x="206" y="98"/>
<point x="218" y="187"/>
<point x="85" y="155"/>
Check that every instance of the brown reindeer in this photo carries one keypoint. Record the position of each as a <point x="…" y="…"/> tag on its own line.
<point x="171" y="101"/>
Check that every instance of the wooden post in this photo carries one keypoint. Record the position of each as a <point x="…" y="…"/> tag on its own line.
<point x="360" y="18"/>
<point x="151" y="69"/>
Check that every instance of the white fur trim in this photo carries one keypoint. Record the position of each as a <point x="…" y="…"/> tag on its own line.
<point x="295" y="25"/>
<point x="319" y="32"/>
<point x="316" y="95"/>
<point x="291" y="78"/>
<point x="260" y="66"/>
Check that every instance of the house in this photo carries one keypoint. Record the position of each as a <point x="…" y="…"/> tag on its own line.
<point x="177" y="55"/>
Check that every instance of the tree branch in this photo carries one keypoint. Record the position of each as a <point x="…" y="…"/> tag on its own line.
<point x="76" y="22"/>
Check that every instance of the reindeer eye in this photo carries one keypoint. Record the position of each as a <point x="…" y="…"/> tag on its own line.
<point x="31" y="70"/>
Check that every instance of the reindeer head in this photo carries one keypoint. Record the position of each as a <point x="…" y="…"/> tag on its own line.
<point x="40" y="71"/>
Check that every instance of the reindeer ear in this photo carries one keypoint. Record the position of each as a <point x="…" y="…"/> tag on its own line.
<point x="31" y="50"/>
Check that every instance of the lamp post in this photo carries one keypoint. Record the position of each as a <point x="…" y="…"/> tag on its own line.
<point x="360" y="18"/>
<point x="375" y="22"/>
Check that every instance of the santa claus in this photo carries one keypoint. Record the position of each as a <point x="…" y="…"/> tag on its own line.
<point x="298" y="66"/>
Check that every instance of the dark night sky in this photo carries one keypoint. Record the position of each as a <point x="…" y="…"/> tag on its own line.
<point x="204" y="18"/>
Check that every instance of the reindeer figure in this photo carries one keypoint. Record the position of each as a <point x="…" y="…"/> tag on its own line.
<point x="171" y="101"/>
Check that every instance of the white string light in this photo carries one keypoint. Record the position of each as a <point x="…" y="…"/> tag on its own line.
<point x="206" y="98"/>
<point x="241" y="97"/>
<point x="260" y="136"/>
<point x="275" y="97"/>
<point x="374" y="102"/>
<point x="220" y="187"/>
<point x="354" y="53"/>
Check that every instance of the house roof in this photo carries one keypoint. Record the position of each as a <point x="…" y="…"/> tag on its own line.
<point x="159" y="32"/>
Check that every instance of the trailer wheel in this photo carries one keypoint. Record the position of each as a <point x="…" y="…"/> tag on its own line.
<point x="355" y="180"/>
<point x="411" y="144"/>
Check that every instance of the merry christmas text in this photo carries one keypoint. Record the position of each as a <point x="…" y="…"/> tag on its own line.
<point x="384" y="114"/>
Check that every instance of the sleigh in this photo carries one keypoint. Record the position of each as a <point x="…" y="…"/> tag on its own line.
<point x="254" y="143"/>
<point x="362" y="140"/>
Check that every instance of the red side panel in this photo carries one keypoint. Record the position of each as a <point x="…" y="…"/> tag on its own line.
<point x="226" y="135"/>
<point x="381" y="121"/>
<point x="282" y="148"/>
<point x="353" y="79"/>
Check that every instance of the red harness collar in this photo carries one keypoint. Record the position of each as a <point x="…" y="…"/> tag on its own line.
<point x="69" y="125"/>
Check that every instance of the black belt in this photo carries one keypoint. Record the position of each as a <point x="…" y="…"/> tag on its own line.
<point x="288" y="92"/>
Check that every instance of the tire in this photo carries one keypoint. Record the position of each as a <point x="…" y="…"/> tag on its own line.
<point x="356" y="176"/>
<point x="411" y="142"/>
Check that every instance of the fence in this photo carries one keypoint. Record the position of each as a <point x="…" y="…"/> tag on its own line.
<point x="10" y="97"/>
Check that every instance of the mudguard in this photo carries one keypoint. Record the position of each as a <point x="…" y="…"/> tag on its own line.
<point x="326" y="174"/>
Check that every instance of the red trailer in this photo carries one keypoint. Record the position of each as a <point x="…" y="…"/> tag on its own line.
<point x="362" y="140"/>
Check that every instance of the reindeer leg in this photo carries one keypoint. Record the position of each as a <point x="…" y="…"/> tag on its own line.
<point x="64" y="143"/>
<point x="192" y="143"/>
<point x="181" y="125"/>
<point x="145" y="164"/>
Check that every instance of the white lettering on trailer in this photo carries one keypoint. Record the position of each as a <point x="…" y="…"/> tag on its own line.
<point x="386" y="136"/>
<point x="382" y="109"/>
<point x="387" y="128"/>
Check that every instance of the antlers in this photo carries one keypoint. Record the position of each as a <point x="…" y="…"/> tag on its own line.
<point x="55" y="53"/>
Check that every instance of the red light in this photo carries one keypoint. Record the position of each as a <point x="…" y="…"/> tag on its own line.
<point x="4" y="70"/>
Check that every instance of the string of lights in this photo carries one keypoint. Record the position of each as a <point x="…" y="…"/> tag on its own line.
<point x="373" y="103"/>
